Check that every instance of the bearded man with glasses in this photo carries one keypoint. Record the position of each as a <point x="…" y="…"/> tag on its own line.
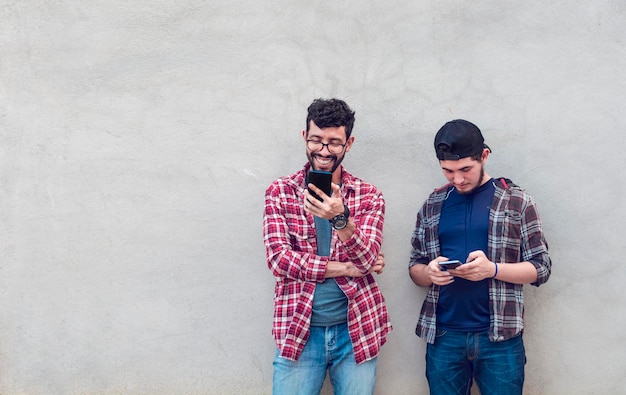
<point x="329" y="314"/>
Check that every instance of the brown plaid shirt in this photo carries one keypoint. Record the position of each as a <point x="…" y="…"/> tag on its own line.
<point x="515" y="235"/>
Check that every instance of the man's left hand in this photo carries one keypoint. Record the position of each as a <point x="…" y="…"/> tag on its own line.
<point x="477" y="268"/>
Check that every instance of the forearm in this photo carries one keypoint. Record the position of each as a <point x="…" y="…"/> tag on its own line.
<point x="340" y="269"/>
<point x="292" y="265"/>
<point x="516" y="273"/>
<point x="289" y="258"/>
<point x="361" y="244"/>
<point x="419" y="275"/>
<point x="363" y="237"/>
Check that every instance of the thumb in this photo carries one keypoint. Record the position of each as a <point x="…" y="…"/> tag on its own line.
<point x="336" y="190"/>
<point x="475" y="254"/>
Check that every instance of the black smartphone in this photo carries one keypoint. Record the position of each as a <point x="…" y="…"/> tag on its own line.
<point x="322" y="180"/>
<point x="450" y="264"/>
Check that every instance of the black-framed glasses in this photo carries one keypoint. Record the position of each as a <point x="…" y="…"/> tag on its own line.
<point x="333" y="148"/>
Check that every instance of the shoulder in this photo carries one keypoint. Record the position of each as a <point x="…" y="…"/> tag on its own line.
<point x="435" y="200"/>
<point x="358" y="185"/>
<point x="443" y="188"/>
<point x="285" y="183"/>
<point x="506" y="185"/>
<point x="440" y="193"/>
<point x="515" y="197"/>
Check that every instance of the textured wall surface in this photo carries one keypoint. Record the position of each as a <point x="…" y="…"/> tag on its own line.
<point x="138" y="138"/>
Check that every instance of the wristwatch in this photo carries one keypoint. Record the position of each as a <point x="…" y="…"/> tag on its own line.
<point x="341" y="221"/>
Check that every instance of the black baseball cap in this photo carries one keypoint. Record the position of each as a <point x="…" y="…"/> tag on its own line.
<point x="459" y="139"/>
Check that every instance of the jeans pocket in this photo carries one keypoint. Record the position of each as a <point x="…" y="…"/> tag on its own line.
<point x="440" y="333"/>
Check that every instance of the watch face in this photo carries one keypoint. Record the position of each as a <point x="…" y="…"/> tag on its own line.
<point x="339" y="222"/>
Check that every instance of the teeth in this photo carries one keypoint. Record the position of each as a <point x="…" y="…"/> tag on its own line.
<point x="323" y="161"/>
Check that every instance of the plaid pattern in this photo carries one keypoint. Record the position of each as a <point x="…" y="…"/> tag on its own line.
<point x="291" y="245"/>
<point x="515" y="235"/>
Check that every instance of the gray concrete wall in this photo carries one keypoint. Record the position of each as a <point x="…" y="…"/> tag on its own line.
<point x="138" y="138"/>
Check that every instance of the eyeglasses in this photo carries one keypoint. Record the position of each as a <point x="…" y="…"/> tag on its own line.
<point x="333" y="148"/>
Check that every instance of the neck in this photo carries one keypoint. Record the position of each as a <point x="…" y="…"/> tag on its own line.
<point x="486" y="177"/>
<point x="337" y="175"/>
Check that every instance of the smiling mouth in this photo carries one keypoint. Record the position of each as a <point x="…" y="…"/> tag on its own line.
<point x="324" y="161"/>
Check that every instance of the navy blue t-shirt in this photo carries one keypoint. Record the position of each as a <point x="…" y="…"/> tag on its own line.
<point x="464" y="227"/>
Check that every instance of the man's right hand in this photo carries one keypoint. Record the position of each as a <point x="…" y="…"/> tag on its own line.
<point x="436" y="275"/>
<point x="379" y="265"/>
<point x="427" y="275"/>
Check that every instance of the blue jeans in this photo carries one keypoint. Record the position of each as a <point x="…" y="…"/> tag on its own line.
<point x="457" y="358"/>
<point x="328" y="348"/>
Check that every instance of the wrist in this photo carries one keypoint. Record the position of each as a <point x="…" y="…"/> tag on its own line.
<point x="496" y="272"/>
<point x="341" y="221"/>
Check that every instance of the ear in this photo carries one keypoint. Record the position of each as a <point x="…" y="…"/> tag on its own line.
<point x="304" y="135"/>
<point x="485" y="155"/>
<point x="349" y="144"/>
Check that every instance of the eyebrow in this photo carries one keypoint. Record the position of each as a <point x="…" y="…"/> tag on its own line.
<point x="465" y="168"/>
<point x="333" y="140"/>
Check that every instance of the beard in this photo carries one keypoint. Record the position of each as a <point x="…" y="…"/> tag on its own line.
<point x="480" y="182"/>
<point x="336" y="160"/>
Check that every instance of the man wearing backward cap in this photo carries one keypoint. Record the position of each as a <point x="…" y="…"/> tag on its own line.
<point x="473" y="315"/>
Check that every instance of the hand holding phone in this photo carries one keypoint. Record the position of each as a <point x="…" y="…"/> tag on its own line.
<point x="322" y="180"/>
<point x="450" y="264"/>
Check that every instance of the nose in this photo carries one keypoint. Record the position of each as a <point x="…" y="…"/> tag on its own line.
<point x="325" y="146"/>
<point x="458" y="178"/>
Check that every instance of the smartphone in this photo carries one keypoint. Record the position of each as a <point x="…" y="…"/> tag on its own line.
<point x="322" y="180"/>
<point x="450" y="264"/>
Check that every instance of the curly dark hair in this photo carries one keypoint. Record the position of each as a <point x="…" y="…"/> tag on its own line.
<point x="330" y="113"/>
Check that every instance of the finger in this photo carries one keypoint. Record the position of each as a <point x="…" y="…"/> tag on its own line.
<point x="313" y="201"/>
<point x="475" y="254"/>
<point x="336" y="190"/>
<point x="433" y="270"/>
<point x="317" y="191"/>
<point x="444" y="281"/>
<point x="439" y="259"/>
<point x="308" y="197"/>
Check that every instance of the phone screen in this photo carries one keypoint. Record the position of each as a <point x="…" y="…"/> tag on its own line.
<point x="322" y="180"/>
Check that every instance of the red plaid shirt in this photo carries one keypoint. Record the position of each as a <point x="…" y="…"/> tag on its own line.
<point x="291" y="246"/>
